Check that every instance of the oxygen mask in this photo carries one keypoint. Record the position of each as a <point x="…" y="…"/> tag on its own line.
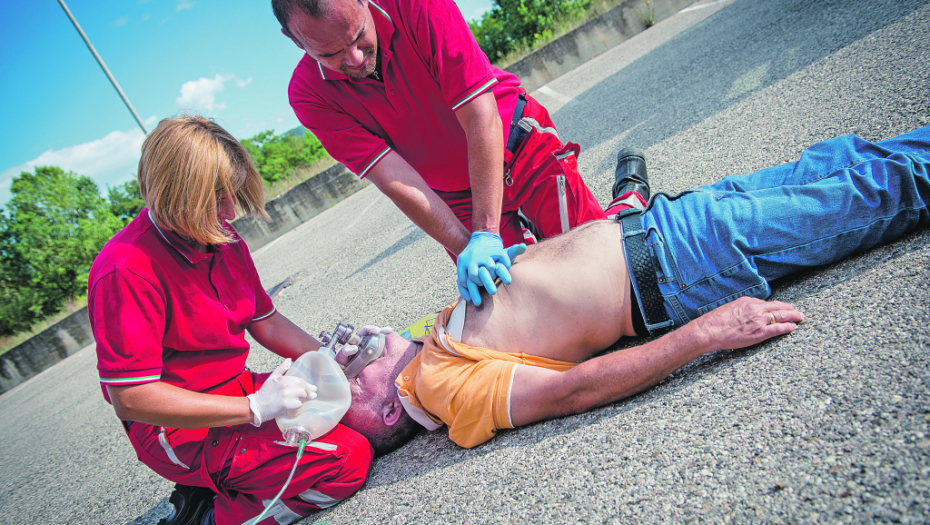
<point x="358" y="352"/>
<point x="330" y="369"/>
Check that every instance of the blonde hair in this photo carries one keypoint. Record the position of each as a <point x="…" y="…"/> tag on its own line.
<point x="186" y="162"/>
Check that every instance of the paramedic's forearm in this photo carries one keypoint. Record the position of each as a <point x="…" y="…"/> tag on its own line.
<point x="278" y="334"/>
<point x="483" y="129"/>
<point x="170" y="406"/>
<point x="409" y="192"/>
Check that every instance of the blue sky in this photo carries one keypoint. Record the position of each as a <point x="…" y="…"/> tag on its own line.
<point x="169" y="56"/>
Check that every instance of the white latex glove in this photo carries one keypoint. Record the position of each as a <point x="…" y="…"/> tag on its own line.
<point x="279" y="394"/>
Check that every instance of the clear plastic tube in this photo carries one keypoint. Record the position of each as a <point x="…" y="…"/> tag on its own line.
<point x="300" y="452"/>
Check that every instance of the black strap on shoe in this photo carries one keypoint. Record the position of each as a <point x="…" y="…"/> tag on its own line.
<point x="643" y="273"/>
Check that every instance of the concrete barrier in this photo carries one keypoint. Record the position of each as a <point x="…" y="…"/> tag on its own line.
<point x="45" y="349"/>
<point x="298" y="205"/>
<point x="589" y="40"/>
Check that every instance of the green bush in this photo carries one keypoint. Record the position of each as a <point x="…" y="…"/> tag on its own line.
<point x="53" y="227"/>
<point x="516" y="24"/>
<point x="276" y="156"/>
<point x="125" y="201"/>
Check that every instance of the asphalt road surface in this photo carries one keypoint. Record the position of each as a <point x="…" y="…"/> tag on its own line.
<point x="828" y="425"/>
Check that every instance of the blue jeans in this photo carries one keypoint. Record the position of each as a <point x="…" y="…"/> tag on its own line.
<point x="727" y="240"/>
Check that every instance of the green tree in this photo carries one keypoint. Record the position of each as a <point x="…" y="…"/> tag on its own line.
<point x="54" y="225"/>
<point x="17" y="303"/>
<point x="512" y="24"/>
<point x="491" y="36"/>
<point x="125" y="201"/>
<point x="313" y="149"/>
<point x="276" y="156"/>
<point x="254" y="146"/>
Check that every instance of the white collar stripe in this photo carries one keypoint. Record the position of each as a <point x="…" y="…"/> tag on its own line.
<point x="166" y="239"/>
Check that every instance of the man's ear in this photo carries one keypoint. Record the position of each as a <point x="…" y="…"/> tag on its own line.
<point x="391" y="411"/>
<point x="288" y="34"/>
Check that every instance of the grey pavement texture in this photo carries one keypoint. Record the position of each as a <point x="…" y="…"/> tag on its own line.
<point x="830" y="424"/>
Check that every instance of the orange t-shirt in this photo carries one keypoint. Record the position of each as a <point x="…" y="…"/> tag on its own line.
<point x="465" y="387"/>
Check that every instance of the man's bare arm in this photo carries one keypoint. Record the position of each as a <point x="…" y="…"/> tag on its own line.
<point x="539" y="394"/>
<point x="406" y="188"/>
<point x="483" y="130"/>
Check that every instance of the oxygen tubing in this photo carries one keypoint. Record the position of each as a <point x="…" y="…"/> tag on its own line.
<point x="300" y="452"/>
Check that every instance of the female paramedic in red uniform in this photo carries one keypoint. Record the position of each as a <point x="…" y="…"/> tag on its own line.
<point x="170" y="298"/>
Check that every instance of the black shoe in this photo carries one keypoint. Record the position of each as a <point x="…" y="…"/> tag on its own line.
<point x="631" y="173"/>
<point x="191" y="505"/>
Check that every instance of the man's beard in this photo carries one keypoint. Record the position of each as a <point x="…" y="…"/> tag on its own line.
<point x="370" y="55"/>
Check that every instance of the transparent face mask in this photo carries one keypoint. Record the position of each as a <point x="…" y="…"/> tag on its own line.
<point x="357" y="351"/>
<point x="330" y="370"/>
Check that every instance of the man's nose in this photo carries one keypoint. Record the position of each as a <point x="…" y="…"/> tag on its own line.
<point x="354" y="56"/>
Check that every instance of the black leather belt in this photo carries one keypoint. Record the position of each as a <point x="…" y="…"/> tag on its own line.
<point x="517" y="134"/>
<point x="643" y="273"/>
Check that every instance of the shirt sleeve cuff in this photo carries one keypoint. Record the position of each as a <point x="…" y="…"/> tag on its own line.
<point x="474" y="93"/>
<point x="131" y="377"/>
<point x="373" y="162"/>
<point x="265" y="315"/>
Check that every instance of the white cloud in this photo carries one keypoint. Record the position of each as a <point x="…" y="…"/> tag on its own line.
<point x="182" y="4"/>
<point x="121" y="21"/>
<point x="201" y="94"/>
<point x="108" y="161"/>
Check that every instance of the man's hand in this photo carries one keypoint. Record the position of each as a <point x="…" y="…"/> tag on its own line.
<point x="745" y="322"/>
<point x="482" y="261"/>
<point x="279" y="394"/>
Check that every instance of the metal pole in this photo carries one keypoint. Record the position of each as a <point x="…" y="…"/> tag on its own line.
<point x="103" y="66"/>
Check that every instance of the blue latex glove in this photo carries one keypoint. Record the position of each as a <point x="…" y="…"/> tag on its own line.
<point x="482" y="261"/>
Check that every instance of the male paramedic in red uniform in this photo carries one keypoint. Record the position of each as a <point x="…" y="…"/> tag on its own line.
<point x="400" y="92"/>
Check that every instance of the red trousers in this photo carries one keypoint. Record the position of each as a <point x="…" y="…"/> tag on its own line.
<point x="531" y="183"/>
<point x="247" y="466"/>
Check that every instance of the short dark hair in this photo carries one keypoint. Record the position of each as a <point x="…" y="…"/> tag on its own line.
<point x="393" y="437"/>
<point x="282" y="10"/>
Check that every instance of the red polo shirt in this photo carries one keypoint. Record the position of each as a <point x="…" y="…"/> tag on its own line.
<point x="431" y="66"/>
<point x="162" y="311"/>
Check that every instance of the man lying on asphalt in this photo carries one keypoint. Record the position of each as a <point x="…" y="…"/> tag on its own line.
<point x="700" y="262"/>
